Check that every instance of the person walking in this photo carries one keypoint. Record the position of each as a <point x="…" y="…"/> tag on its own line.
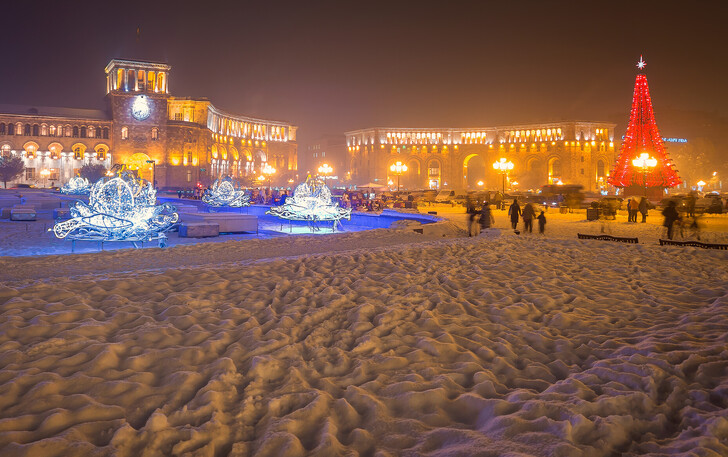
<point x="486" y="217"/>
<point x="643" y="207"/>
<point x="633" y="208"/>
<point x="472" y="214"/>
<point x="541" y="223"/>
<point x="671" y="216"/>
<point x="528" y="215"/>
<point x="514" y="211"/>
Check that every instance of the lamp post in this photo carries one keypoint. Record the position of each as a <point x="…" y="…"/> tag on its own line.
<point x="700" y="184"/>
<point x="398" y="168"/>
<point x="644" y="162"/>
<point x="45" y="173"/>
<point x="269" y="172"/>
<point x="503" y="166"/>
<point x="325" y="170"/>
<point x="154" y="172"/>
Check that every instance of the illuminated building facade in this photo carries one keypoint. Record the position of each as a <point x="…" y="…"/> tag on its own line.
<point x="569" y="152"/>
<point x="176" y="141"/>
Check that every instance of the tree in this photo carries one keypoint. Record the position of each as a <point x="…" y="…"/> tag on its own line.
<point x="93" y="172"/>
<point x="10" y="168"/>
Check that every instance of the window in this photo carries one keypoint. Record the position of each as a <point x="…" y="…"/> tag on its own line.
<point x="582" y="171"/>
<point x="54" y="174"/>
<point x="11" y="129"/>
<point x="91" y="132"/>
<point x="44" y="130"/>
<point x="68" y="130"/>
<point x="125" y="133"/>
<point x="5" y="150"/>
<point x="83" y="132"/>
<point x="75" y="131"/>
<point x="189" y="175"/>
<point x="177" y="116"/>
<point x="78" y="153"/>
<point x="582" y="158"/>
<point x="101" y="154"/>
<point x="155" y="134"/>
<point x="26" y="132"/>
<point x="189" y="157"/>
<point x="2" y="129"/>
<point x="52" y="130"/>
<point x="36" y="131"/>
<point x="30" y="174"/>
<point x="106" y="133"/>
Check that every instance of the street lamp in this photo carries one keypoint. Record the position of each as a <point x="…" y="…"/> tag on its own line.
<point x="325" y="170"/>
<point x="503" y="168"/>
<point x="269" y="172"/>
<point x="700" y="184"/>
<point x="45" y="173"/>
<point x="398" y="168"/>
<point x="154" y="172"/>
<point x="644" y="162"/>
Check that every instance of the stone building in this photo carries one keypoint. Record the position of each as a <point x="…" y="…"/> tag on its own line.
<point x="569" y="152"/>
<point x="176" y="141"/>
<point x="330" y="150"/>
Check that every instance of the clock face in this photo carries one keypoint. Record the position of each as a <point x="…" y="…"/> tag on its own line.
<point x="140" y="108"/>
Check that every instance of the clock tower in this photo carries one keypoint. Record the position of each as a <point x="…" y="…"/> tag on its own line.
<point x="137" y="95"/>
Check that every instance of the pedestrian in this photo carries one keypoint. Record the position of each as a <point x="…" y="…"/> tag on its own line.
<point x="633" y="209"/>
<point x="643" y="207"/>
<point x="541" y="223"/>
<point x="472" y="214"/>
<point x="671" y="216"/>
<point x="514" y="211"/>
<point x="486" y="217"/>
<point x="528" y="215"/>
<point x="690" y="203"/>
<point x="179" y="193"/>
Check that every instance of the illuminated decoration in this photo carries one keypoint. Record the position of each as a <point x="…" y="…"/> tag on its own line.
<point x="76" y="186"/>
<point x="503" y="166"/>
<point x="398" y="168"/>
<point x="122" y="208"/>
<point x="226" y="192"/>
<point x="643" y="137"/>
<point x="140" y="108"/>
<point x="311" y="202"/>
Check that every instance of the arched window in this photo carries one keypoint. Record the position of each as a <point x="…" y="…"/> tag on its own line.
<point x="83" y="132"/>
<point x="101" y="154"/>
<point x="78" y="151"/>
<point x="106" y="133"/>
<point x="75" y="131"/>
<point x="36" y="130"/>
<point x="2" y="129"/>
<point x="27" y="130"/>
<point x="52" y="130"/>
<point x="67" y="130"/>
<point x="44" y="130"/>
<point x="155" y="134"/>
<point x="600" y="169"/>
<point x="11" y="129"/>
<point x="91" y="132"/>
<point x="5" y="150"/>
<point x="124" y="133"/>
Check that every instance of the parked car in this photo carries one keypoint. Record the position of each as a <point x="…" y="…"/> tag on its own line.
<point x="710" y="203"/>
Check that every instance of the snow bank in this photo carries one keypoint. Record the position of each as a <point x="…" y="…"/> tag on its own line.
<point x="496" y="345"/>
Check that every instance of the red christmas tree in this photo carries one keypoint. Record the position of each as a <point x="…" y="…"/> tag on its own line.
<point x="643" y="137"/>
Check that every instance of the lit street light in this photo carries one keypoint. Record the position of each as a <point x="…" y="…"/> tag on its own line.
<point x="45" y="173"/>
<point x="503" y="168"/>
<point x="269" y="172"/>
<point x="154" y="172"/>
<point x="398" y="168"/>
<point x="644" y="162"/>
<point x="325" y="170"/>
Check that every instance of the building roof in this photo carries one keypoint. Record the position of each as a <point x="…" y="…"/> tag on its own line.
<point x="55" y="112"/>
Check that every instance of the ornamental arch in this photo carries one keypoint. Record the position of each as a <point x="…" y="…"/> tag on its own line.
<point x="473" y="171"/>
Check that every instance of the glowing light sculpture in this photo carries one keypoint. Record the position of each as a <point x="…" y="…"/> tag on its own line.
<point x="76" y="186"/>
<point x="643" y="137"/>
<point x="122" y="208"/>
<point x="311" y="202"/>
<point x="225" y="192"/>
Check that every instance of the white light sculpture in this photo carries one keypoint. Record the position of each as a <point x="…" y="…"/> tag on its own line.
<point x="119" y="209"/>
<point x="225" y="192"/>
<point x="76" y="186"/>
<point x="311" y="202"/>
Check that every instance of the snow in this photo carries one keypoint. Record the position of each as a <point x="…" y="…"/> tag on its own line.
<point x="384" y="342"/>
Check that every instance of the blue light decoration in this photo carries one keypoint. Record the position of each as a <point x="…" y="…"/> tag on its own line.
<point x="311" y="202"/>
<point x="122" y="208"/>
<point x="226" y="192"/>
<point x="76" y="186"/>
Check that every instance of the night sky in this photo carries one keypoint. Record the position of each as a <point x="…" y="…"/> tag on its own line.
<point x="329" y="67"/>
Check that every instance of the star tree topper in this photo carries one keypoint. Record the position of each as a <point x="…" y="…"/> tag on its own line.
<point x="641" y="64"/>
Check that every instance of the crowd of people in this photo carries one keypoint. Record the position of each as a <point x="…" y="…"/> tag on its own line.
<point x="481" y="219"/>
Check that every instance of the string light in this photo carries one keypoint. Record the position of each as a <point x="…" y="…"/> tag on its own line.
<point x="76" y="186"/>
<point x="226" y="192"/>
<point x="311" y="201"/>
<point x="643" y="136"/>
<point x="119" y="209"/>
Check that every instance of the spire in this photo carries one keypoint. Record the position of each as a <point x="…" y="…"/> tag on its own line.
<point x="642" y="137"/>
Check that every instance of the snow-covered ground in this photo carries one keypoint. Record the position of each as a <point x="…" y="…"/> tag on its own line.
<point x="374" y="343"/>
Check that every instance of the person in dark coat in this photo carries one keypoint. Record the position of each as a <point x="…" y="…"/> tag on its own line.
<point x="644" y="206"/>
<point x="529" y="214"/>
<point x="541" y="223"/>
<point x="486" y="217"/>
<point x="671" y="215"/>
<point x="472" y="214"/>
<point x="514" y="211"/>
